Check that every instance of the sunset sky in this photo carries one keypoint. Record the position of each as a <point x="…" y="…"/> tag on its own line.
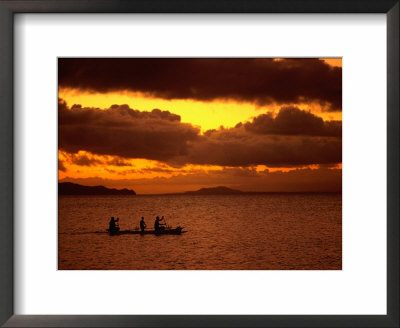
<point x="166" y="125"/>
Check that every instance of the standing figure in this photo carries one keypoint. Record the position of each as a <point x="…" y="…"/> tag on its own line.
<point x="142" y="224"/>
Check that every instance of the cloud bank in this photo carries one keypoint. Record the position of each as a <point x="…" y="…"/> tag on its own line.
<point x="292" y="138"/>
<point x="124" y="132"/>
<point x="255" y="80"/>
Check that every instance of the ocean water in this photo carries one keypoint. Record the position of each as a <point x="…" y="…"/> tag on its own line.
<point x="277" y="231"/>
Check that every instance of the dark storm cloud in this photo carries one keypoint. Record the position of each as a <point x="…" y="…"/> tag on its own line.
<point x="292" y="138"/>
<point x="118" y="162"/>
<point x="124" y="132"/>
<point x="84" y="160"/>
<point x="90" y="160"/>
<point x="293" y="121"/>
<point x="238" y="147"/>
<point x="260" y="81"/>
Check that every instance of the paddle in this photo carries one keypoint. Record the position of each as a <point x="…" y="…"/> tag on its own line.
<point x="166" y="225"/>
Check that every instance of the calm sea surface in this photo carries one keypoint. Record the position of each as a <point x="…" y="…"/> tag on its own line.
<point x="224" y="232"/>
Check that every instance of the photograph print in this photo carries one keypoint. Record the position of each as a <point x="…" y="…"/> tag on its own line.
<point x="199" y="163"/>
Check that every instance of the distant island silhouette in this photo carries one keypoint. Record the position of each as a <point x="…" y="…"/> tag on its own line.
<point x="69" y="188"/>
<point x="214" y="191"/>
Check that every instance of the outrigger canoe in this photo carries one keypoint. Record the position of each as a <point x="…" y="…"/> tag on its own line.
<point x="176" y="231"/>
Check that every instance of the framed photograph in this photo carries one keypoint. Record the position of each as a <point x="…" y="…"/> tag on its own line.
<point x="240" y="167"/>
<point x="199" y="164"/>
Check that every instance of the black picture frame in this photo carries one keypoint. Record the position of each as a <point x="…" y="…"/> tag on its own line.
<point x="7" y="10"/>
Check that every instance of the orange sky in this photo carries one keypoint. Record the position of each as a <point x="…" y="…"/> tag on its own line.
<point x="165" y="173"/>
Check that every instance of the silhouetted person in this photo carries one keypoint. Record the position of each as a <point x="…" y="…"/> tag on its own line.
<point x="157" y="225"/>
<point x="113" y="225"/>
<point x="142" y="224"/>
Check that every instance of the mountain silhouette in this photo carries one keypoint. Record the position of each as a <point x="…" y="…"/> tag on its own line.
<point x="69" y="188"/>
<point x="214" y="191"/>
